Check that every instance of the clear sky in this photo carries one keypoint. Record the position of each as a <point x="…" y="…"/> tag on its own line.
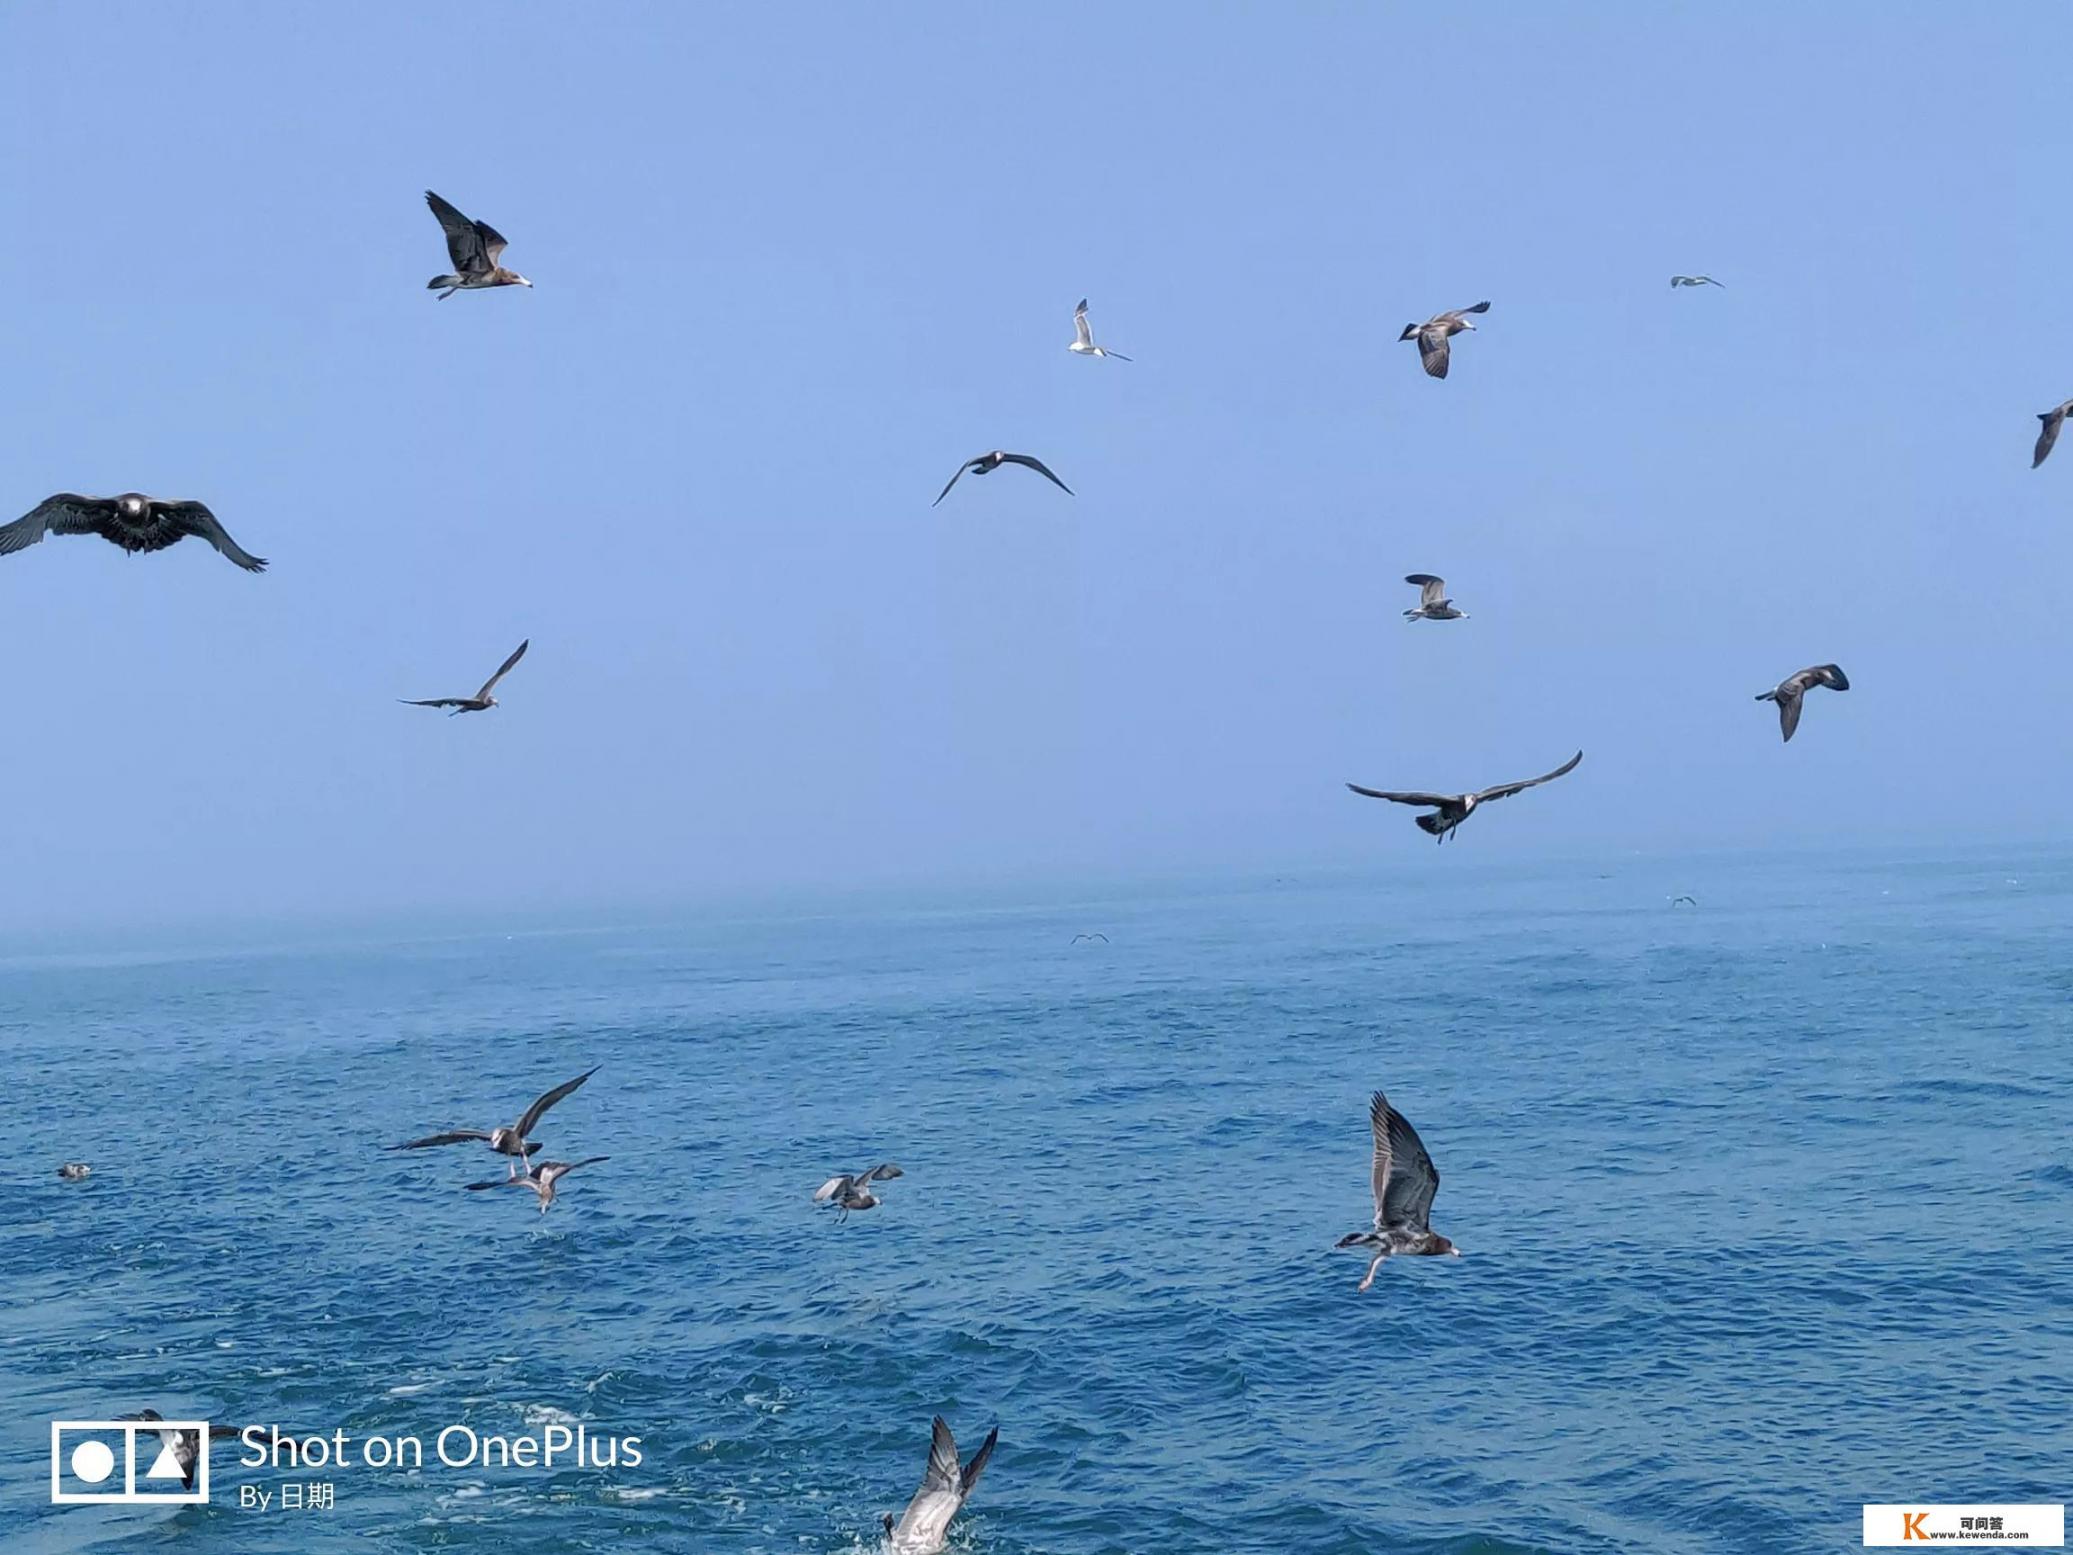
<point x="794" y="263"/>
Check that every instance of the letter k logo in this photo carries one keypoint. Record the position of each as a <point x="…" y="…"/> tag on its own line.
<point x="1911" y="1525"/>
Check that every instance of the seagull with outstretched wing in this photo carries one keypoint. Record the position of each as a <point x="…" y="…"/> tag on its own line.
<point x="1450" y="810"/>
<point x="474" y="247"/>
<point x="1404" y="1181"/>
<point x="1433" y="334"/>
<point x="945" y="1487"/>
<point x="1083" y="337"/>
<point x="987" y="463"/>
<point x="1433" y="604"/>
<point x="540" y="1177"/>
<point x="1789" y="692"/>
<point x="506" y="1139"/>
<point x="133" y="521"/>
<point x="2048" y="434"/>
<point x="482" y="701"/>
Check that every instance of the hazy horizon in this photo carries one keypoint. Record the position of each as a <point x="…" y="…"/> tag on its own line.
<point x="792" y="268"/>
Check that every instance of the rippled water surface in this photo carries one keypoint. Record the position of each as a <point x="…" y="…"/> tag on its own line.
<point x="1765" y="1206"/>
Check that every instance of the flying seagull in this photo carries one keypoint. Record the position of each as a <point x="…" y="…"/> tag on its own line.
<point x="507" y="1140"/>
<point x="854" y="1192"/>
<point x="1452" y="809"/>
<point x="1676" y="901"/>
<point x="1432" y="336"/>
<point x="75" y="1171"/>
<point x="1695" y="280"/>
<point x="986" y="464"/>
<point x="1083" y="336"/>
<point x="541" y="1178"/>
<point x="1404" y="1180"/>
<point x="185" y="1446"/>
<point x="482" y="701"/>
<point x="1788" y="692"/>
<point x="922" y="1528"/>
<point x="1433" y="604"/>
<point x="1096" y="935"/>
<point x="474" y="247"/>
<point x="133" y="521"/>
<point x="2046" y="434"/>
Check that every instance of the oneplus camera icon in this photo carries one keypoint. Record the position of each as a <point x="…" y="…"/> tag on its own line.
<point x="129" y="1462"/>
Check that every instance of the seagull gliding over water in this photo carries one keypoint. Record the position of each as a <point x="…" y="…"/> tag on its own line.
<point x="540" y="1178"/>
<point x="133" y="521"/>
<point x="507" y="1139"/>
<point x="1404" y="1181"/>
<point x="986" y="464"/>
<point x="1452" y="809"/>
<point x="854" y="1192"/>
<point x="482" y="701"/>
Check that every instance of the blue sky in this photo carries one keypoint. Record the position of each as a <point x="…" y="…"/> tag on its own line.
<point x="794" y="263"/>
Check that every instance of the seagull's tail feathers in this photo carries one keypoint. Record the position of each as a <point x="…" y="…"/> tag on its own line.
<point x="1767" y="696"/>
<point x="1410" y="332"/>
<point x="1431" y="823"/>
<point x="449" y="282"/>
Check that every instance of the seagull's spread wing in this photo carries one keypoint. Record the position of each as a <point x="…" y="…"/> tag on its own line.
<point x="1079" y="324"/>
<point x="829" y="1189"/>
<point x="970" y="1476"/>
<point x="883" y="1172"/>
<point x="954" y="480"/>
<point x="194" y="518"/>
<point x="463" y="241"/>
<point x="1829" y="675"/>
<point x="435" y="702"/>
<point x="1503" y="790"/>
<point x="450" y="1137"/>
<point x="503" y="670"/>
<point x="1431" y="590"/>
<point x="1378" y="1173"/>
<point x="67" y="513"/>
<point x="532" y="1114"/>
<point x="1790" y="700"/>
<point x="2046" y="436"/>
<point x="1040" y="467"/>
<point x="1432" y="351"/>
<point x="1481" y="307"/>
<point x="1407" y="1187"/>
<point x="942" y="1473"/>
<point x="493" y="241"/>
<point x="1437" y="801"/>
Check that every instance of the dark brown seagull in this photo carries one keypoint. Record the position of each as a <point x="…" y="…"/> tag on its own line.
<point x="2049" y="432"/>
<point x="1433" y="333"/>
<point x="507" y="1140"/>
<point x="1433" y="604"/>
<point x="474" y="247"/>
<point x="1789" y="691"/>
<point x="482" y="701"/>
<point x="133" y="521"/>
<point x="1404" y="1182"/>
<point x="1452" y="809"/>
<point x="986" y="464"/>
<point x="852" y="1191"/>
<point x="945" y="1487"/>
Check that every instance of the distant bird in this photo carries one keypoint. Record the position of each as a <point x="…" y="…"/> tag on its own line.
<point x="1404" y="1181"/>
<point x="1788" y="692"/>
<point x="133" y="521"/>
<point x="922" y="1528"/>
<point x="474" y="247"/>
<point x="854" y="1192"/>
<point x="1433" y="604"/>
<point x="482" y="701"/>
<point x="186" y="1446"/>
<point x="75" y="1171"/>
<point x="506" y="1140"/>
<point x="541" y="1178"/>
<point x="1433" y="333"/>
<point x="1097" y="934"/>
<point x="2046" y="435"/>
<point x="1678" y="901"/>
<point x="1083" y="336"/>
<point x="1695" y="280"/>
<point x="986" y="464"/>
<point x="1453" y="809"/>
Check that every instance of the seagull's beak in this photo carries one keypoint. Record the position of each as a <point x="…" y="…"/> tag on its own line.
<point x="522" y="281"/>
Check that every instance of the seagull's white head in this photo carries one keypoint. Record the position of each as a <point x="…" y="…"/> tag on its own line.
<point x="519" y="280"/>
<point x="132" y="504"/>
<point x="1466" y="325"/>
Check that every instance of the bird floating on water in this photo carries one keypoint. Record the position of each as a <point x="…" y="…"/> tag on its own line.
<point x="1404" y="1181"/>
<point x="853" y="1192"/>
<point x="1083" y="337"/>
<point x="1452" y="809"/>
<point x="2049" y="432"/>
<point x="1788" y="692"/>
<point x="986" y="464"/>
<point x="185" y="1446"/>
<point x="1432" y="336"/>
<point x="1696" y="280"/>
<point x="482" y="701"/>
<point x="540" y="1177"/>
<point x="133" y="521"/>
<point x="474" y="247"/>
<point x="75" y="1171"/>
<point x="508" y="1139"/>
<point x="922" y="1528"/>
<point x="1433" y="604"/>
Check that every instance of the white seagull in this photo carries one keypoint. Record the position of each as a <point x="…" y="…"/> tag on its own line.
<point x="1083" y="337"/>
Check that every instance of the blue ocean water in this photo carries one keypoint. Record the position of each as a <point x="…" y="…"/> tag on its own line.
<point x="1763" y="1202"/>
